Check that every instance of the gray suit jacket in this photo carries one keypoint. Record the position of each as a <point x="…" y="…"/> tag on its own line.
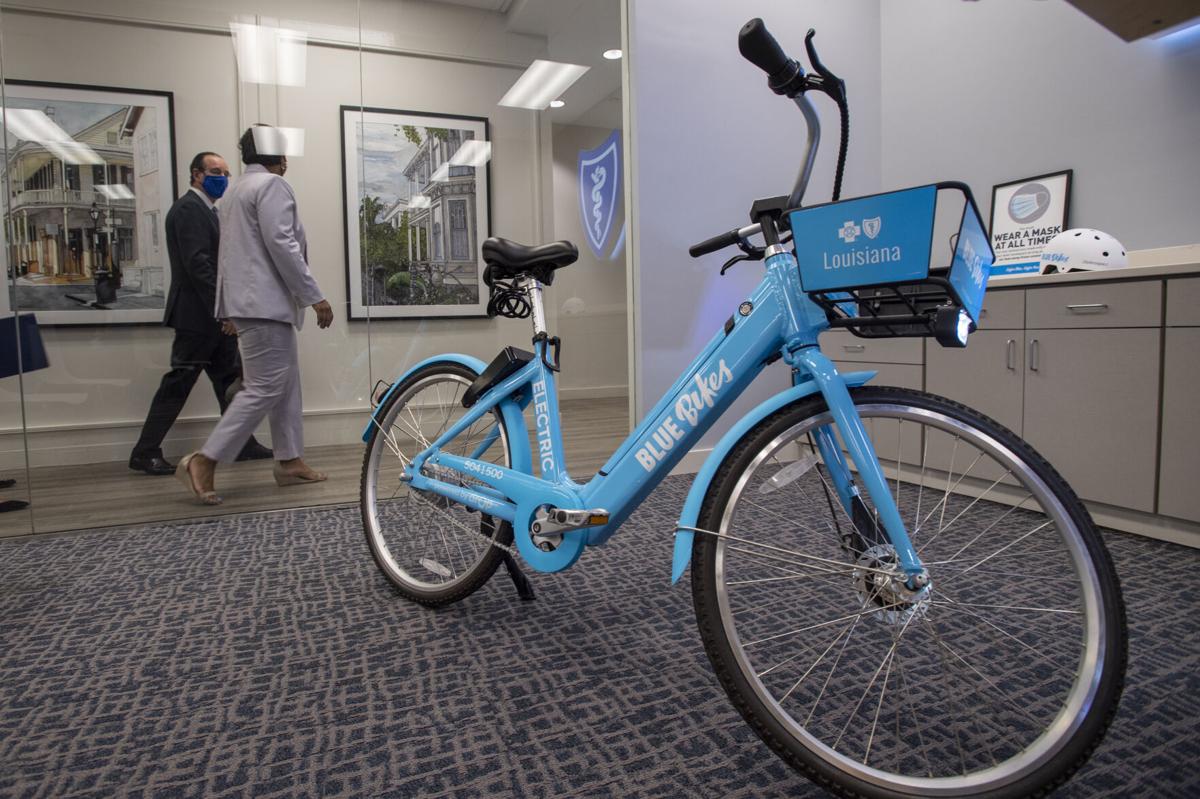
<point x="262" y="264"/>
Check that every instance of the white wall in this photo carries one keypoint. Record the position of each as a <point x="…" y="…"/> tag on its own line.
<point x="997" y="91"/>
<point x="90" y="404"/>
<point x="709" y="137"/>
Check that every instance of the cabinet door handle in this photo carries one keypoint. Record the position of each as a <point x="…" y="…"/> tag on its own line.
<point x="1010" y="354"/>
<point x="1034" y="355"/>
<point x="1089" y="307"/>
<point x="854" y="347"/>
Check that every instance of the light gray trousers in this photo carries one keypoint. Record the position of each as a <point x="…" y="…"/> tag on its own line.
<point x="270" y="388"/>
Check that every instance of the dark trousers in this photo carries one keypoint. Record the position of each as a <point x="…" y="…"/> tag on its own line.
<point x="216" y="355"/>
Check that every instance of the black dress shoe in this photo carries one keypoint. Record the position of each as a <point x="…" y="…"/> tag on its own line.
<point x="255" y="451"/>
<point x="156" y="466"/>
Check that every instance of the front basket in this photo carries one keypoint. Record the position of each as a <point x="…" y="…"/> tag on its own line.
<point x="866" y="262"/>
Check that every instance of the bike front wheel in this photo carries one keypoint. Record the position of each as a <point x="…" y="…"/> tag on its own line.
<point x="999" y="679"/>
<point x="432" y="550"/>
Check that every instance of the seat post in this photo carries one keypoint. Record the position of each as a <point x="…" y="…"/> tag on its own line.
<point x="533" y="288"/>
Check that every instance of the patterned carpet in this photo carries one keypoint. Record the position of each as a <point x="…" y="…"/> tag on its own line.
<point x="264" y="655"/>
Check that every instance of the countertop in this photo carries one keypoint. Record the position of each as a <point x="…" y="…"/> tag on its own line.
<point x="1144" y="264"/>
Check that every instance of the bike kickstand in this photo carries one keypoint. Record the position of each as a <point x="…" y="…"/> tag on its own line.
<point x="520" y="581"/>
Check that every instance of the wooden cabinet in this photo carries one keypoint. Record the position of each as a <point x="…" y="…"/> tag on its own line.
<point x="989" y="374"/>
<point x="1100" y="375"/>
<point x="1091" y="409"/>
<point x="986" y="376"/>
<point x="1076" y="375"/>
<point x="1183" y="302"/>
<point x="1180" y="460"/>
<point x="1095" y="305"/>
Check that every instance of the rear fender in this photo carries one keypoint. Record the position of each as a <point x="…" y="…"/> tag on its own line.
<point x="510" y="411"/>
<point x="691" y="507"/>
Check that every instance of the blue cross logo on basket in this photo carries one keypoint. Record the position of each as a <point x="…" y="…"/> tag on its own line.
<point x="834" y="253"/>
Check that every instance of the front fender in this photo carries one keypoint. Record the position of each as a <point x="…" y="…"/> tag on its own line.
<point x="514" y="420"/>
<point x="695" y="497"/>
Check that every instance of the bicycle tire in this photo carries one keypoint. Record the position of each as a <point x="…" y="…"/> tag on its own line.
<point x="1055" y="713"/>
<point x="409" y="533"/>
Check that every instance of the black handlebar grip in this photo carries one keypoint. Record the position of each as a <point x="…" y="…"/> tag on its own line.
<point x="759" y="47"/>
<point x="715" y="243"/>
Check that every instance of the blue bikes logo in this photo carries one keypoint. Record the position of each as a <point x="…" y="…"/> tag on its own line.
<point x="599" y="183"/>
<point x="688" y="407"/>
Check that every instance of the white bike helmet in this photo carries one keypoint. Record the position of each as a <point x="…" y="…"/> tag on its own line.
<point x="1082" y="248"/>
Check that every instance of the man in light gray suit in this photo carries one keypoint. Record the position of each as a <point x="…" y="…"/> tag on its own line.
<point x="263" y="287"/>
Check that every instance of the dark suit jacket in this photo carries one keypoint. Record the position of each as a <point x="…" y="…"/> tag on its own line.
<point x="193" y="237"/>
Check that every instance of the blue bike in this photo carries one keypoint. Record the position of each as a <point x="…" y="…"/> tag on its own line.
<point x="899" y="595"/>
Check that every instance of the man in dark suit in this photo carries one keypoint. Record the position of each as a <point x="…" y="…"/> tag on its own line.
<point x="201" y="342"/>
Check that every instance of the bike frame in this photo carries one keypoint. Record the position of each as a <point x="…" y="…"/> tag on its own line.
<point x="777" y="321"/>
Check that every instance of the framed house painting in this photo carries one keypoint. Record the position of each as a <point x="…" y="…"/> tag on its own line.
<point x="415" y="192"/>
<point x="90" y="172"/>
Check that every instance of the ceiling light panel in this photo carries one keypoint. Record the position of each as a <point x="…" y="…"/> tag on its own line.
<point x="542" y="82"/>
<point x="269" y="55"/>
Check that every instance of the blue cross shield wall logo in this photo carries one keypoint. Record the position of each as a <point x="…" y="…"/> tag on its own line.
<point x="599" y="185"/>
<point x="871" y="226"/>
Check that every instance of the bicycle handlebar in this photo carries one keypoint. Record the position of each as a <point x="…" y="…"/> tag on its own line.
<point x="785" y="76"/>
<point x="759" y="47"/>
<point x="723" y="240"/>
<point x="718" y="242"/>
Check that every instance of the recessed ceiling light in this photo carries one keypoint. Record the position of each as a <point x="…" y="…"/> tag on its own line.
<point x="612" y="55"/>
<point x="541" y="83"/>
<point x="557" y="103"/>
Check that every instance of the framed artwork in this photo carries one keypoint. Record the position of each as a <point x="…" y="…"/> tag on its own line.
<point x="415" y="196"/>
<point x="90" y="175"/>
<point x="1026" y="214"/>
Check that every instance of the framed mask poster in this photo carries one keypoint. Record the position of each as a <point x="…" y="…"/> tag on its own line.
<point x="1026" y="214"/>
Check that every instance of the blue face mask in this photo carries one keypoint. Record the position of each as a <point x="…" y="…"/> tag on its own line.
<point x="215" y="185"/>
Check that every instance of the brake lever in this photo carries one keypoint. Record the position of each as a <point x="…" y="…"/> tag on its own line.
<point x="750" y="252"/>
<point x="735" y="259"/>
<point x="825" y="80"/>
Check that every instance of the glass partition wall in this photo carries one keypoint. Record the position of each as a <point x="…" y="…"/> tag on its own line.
<point x="402" y="160"/>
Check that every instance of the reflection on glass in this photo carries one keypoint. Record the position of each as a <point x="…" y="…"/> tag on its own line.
<point x="270" y="55"/>
<point x="472" y="153"/>
<point x="542" y="82"/>
<point x="271" y="140"/>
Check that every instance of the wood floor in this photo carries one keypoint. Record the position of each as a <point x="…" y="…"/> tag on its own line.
<point x="102" y="495"/>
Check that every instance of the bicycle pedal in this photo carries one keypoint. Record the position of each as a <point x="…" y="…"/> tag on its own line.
<point x="558" y="520"/>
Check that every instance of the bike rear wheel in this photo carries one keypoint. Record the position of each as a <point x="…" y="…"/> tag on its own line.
<point x="999" y="680"/>
<point x="432" y="550"/>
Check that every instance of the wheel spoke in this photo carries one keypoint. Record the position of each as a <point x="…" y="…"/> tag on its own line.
<point x="426" y="542"/>
<point x="948" y="689"/>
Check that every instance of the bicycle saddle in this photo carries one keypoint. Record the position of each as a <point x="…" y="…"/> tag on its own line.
<point x="507" y="259"/>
